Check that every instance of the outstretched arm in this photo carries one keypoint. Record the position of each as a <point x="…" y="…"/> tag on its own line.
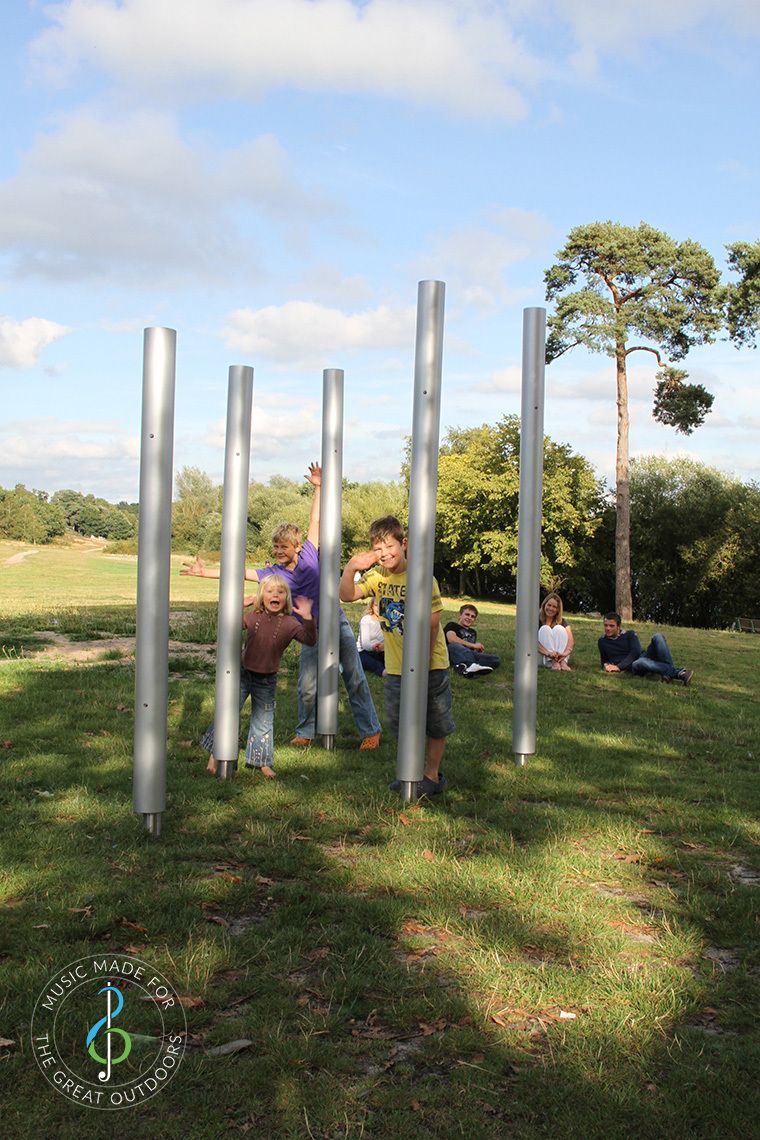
<point x="315" y="478"/>
<point x="199" y="569"/>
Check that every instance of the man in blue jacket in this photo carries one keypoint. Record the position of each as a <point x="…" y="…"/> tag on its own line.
<point x="620" y="651"/>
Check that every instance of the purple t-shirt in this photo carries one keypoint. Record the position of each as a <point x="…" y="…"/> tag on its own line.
<point x="303" y="579"/>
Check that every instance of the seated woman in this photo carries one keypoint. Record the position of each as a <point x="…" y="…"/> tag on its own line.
<point x="370" y="641"/>
<point x="555" y="637"/>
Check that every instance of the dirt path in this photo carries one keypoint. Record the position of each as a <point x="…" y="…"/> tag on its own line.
<point x="14" y="558"/>
<point x="56" y="645"/>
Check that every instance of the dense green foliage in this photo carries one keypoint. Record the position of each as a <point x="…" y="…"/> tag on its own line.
<point x="33" y="516"/>
<point x="743" y="296"/>
<point x="694" y="549"/>
<point x="476" y="519"/>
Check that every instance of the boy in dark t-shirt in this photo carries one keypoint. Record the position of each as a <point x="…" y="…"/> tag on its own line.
<point x="466" y="654"/>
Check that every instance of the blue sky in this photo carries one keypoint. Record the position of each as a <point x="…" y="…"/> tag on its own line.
<point x="272" y="178"/>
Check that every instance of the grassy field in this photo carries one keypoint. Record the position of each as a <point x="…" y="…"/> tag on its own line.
<point x="569" y="949"/>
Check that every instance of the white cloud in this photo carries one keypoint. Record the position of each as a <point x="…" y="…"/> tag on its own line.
<point x="464" y="57"/>
<point x="503" y="380"/>
<point x="114" y="198"/>
<point x="21" y="342"/>
<point x="51" y="454"/>
<point x="304" y="332"/>
<point x="275" y="430"/>
<point x="474" y="259"/>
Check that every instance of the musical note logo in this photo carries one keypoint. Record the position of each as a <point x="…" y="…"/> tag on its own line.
<point x="110" y="1031"/>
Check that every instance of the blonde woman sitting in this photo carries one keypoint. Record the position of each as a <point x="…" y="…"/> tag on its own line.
<point x="555" y="637"/>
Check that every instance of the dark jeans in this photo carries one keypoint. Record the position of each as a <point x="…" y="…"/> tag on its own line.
<point x="656" y="660"/>
<point x="461" y="655"/>
<point x="372" y="662"/>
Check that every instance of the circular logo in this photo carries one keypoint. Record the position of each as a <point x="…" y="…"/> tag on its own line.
<point x="108" y="1031"/>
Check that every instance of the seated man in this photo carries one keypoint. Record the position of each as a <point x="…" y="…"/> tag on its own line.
<point x="466" y="653"/>
<point x="620" y="651"/>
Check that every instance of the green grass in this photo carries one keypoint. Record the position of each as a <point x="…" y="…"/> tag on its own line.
<point x="399" y="971"/>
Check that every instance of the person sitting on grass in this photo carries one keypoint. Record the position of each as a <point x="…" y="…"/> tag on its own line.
<point x="370" y="641"/>
<point x="271" y="628"/>
<point x="298" y="563"/>
<point x="466" y="654"/>
<point x="387" y="582"/>
<point x="555" y="637"/>
<point x="620" y="652"/>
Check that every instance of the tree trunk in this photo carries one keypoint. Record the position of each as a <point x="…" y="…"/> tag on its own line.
<point x="623" y="598"/>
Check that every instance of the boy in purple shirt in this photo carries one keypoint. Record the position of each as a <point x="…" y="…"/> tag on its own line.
<point x="298" y="563"/>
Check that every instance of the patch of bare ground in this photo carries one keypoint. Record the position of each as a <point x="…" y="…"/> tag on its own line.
<point x="57" y="646"/>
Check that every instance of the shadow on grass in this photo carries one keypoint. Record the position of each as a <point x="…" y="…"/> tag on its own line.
<point x="400" y="970"/>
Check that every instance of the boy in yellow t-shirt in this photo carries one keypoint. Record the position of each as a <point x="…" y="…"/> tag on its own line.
<point x="384" y="568"/>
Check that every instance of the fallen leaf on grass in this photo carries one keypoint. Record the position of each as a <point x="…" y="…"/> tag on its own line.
<point x="136" y="950"/>
<point x="404" y="819"/>
<point x="6" y="1043"/>
<point x="6" y="744"/>
<point x="16" y="900"/>
<point x="433" y="1026"/>
<point x="126" y="924"/>
<point x="41" y="926"/>
<point x="188" y="1002"/>
<point x="428" y="855"/>
<point x="317" y="954"/>
<point x="263" y="881"/>
<point x="87" y="911"/>
<point x="229" y="1048"/>
<point x="633" y="857"/>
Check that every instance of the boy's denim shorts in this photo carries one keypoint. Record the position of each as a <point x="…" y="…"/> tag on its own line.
<point x="439" y="721"/>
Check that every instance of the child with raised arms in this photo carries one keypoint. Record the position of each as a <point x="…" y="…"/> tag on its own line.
<point x="271" y="627"/>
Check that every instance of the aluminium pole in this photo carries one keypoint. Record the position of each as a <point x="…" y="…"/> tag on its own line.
<point x="328" y="646"/>
<point x="529" y="534"/>
<point x="423" y="484"/>
<point x="153" y="571"/>
<point x="237" y="458"/>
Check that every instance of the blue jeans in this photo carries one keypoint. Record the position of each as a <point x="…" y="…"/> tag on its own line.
<point x="359" y="696"/>
<point x="259" y="749"/>
<point x="655" y="660"/>
<point x="461" y="655"/>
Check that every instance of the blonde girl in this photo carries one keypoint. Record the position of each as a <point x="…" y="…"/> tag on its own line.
<point x="271" y="627"/>
<point x="555" y="637"/>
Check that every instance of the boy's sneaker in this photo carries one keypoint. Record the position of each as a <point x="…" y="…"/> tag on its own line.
<point x="461" y="668"/>
<point x="301" y="741"/>
<point x="370" y="742"/>
<point x="685" y="675"/>
<point x="425" y="786"/>
<point x="476" y="670"/>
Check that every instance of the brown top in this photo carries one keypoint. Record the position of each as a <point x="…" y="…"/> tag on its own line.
<point x="268" y="637"/>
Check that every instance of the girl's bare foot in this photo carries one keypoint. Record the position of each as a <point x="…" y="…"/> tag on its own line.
<point x="211" y="766"/>
<point x="565" y="667"/>
<point x="268" y="772"/>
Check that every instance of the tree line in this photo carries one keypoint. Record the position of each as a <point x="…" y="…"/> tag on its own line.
<point x="695" y="558"/>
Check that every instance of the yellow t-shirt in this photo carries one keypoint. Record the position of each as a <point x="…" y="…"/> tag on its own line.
<point x="390" y="590"/>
